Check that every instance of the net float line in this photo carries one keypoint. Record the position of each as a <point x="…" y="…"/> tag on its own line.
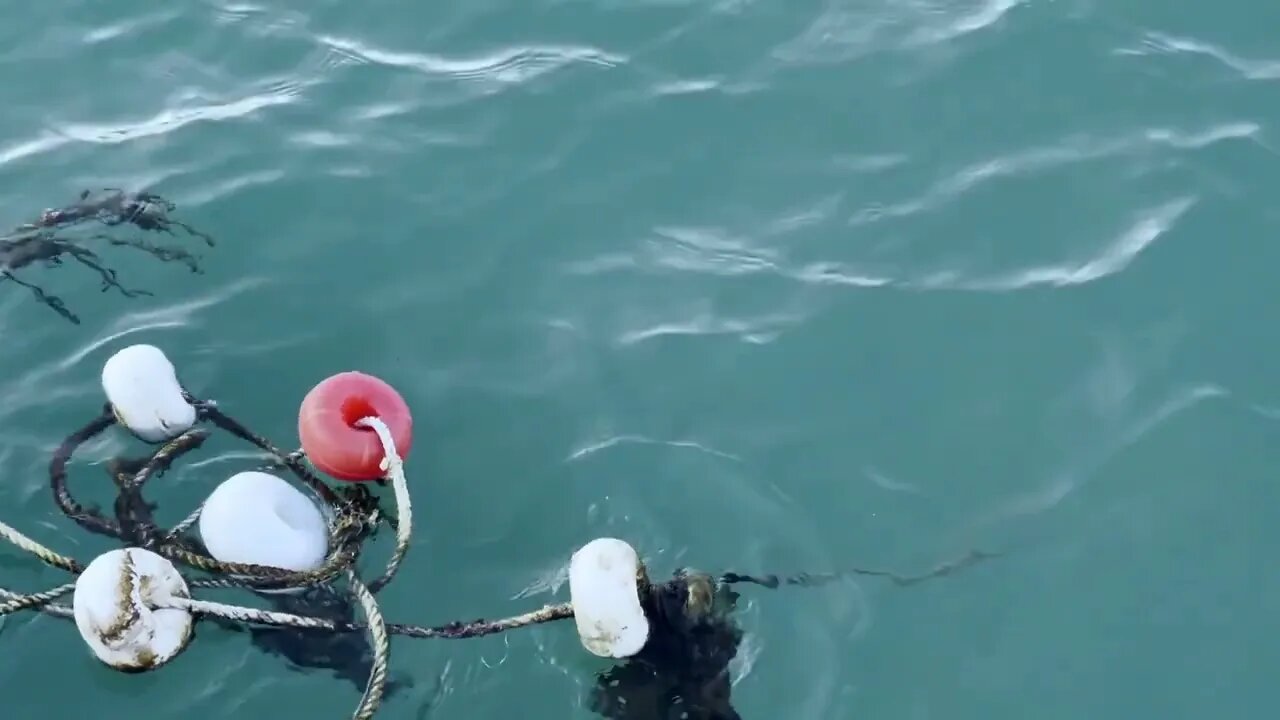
<point x="475" y="628"/>
<point x="588" y="585"/>
<point x="145" y="398"/>
<point x="147" y="586"/>
<point x="133" y="524"/>
<point x="332" y="424"/>
<point x="135" y="610"/>
<point x="128" y="602"/>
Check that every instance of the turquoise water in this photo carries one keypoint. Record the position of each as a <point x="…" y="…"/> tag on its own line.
<point x="764" y="286"/>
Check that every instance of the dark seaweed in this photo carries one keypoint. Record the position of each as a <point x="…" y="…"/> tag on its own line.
<point x="682" y="673"/>
<point x="45" y="241"/>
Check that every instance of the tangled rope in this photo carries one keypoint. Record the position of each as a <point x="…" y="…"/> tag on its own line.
<point x="144" y="592"/>
<point x="355" y="515"/>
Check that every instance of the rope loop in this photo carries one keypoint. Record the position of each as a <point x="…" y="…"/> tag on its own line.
<point x="393" y="466"/>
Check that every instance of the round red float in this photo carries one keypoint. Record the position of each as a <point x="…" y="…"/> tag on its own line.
<point x="332" y="440"/>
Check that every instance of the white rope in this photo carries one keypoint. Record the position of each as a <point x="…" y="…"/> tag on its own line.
<point x="393" y="466"/>
<point x="376" y="626"/>
<point x="59" y="611"/>
<point x="18" y="602"/>
<point x="243" y="614"/>
<point x="185" y="524"/>
<point x="373" y="691"/>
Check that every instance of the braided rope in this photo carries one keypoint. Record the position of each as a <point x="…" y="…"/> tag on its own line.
<point x="132" y="512"/>
<point x="393" y="466"/>
<point x="91" y="520"/>
<point x="55" y="610"/>
<point x="267" y="577"/>
<point x="375" y="624"/>
<point x="816" y="579"/>
<point x="477" y="628"/>
<point x="185" y="525"/>
<point x="451" y="631"/>
<point x="164" y="458"/>
<point x="45" y="555"/>
<point x="372" y="697"/>
<point x="135" y="524"/>
<point x="291" y="460"/>
<point x="244" y="614"/>
<point x="16" y="602"/>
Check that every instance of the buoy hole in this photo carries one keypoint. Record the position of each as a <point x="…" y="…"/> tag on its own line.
<point x="355" y="408"/>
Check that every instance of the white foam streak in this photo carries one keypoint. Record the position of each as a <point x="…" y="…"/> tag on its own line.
<point x="718" y="255"/>
<point x="1086" y="462"/>
<point x="1117" y="256"/>
<point x="848" y="29"/>
<point x="989" y="13"/>
<point x="758" y="330"/>
<point x="165" y="121"/>
<point x="1162" y="43"/>
<point x="506" y="66"/>
<point x="1040" y="159"/>
<point x="609" y="442"/>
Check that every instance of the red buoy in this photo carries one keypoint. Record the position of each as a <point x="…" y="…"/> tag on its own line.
<point x="329" y="434"/>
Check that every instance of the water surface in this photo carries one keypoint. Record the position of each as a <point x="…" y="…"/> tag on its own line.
<point x="761" y="285"/>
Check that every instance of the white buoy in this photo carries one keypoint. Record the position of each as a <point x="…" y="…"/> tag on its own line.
<point x="604" y="587"/>
<point x="112" y="609"/>
<point x="143" y="389"/>
<point x="255" y="517"/>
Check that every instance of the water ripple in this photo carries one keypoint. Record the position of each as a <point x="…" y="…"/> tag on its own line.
<point x="38" y="385"/>
<point x="224" y="187"/>
<point x="849" y="29"/>
<point x="165" y="121"/>
<point x="232" y="12"/>
<point x="1067" y="481"/>
<point x="987" y="13"/>
<point x="755" y="330"/>
<point x="597" y="446"/>
<point x="737" y="257"/>
<point x="1115" y="257"/>
<point x="504" y="67"/>
<point x="1039" y="159"/>
<point x="123" y="28"/>
<point x="1157" y="43"/>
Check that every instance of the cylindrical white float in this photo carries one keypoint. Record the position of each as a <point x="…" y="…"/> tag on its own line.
<point x="255" y="517"/>
<point x="604" y="586"/>
<point x="112" y="609"/>
<point x="143" y="389"/>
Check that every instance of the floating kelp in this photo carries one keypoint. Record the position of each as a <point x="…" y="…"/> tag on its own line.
<point x="49" y="239"/>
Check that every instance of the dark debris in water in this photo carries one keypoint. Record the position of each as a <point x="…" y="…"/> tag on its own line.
<point x="348" y="656"/>
<point x="47" y="241"/>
